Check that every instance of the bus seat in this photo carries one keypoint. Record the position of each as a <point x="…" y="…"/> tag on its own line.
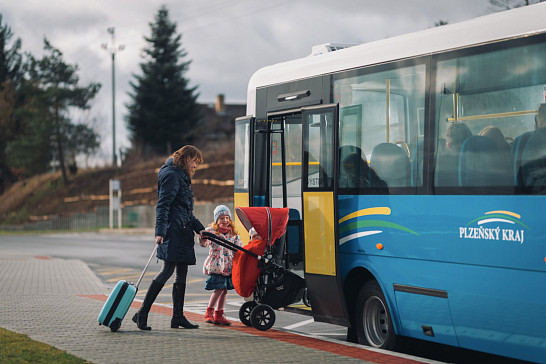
<point x="446" y="171"/>
<point x="517" y="150"/>
<point x="532" y="172"/>
<point x="259" y="201"/>
<point x="391" y="164"/>
<point x="293" y="214"/>
<point x="294" y="242"/>
<point x="353" y="171"/>
<point x="417" y="165"/>
<point x="482" y="164"/>
<point x="283" y="245"/>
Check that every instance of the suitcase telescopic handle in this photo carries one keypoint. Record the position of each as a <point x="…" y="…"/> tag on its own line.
<point x="146" y="267"/>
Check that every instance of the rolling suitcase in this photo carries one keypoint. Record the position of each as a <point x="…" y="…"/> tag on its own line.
<point x="116" y="306"/>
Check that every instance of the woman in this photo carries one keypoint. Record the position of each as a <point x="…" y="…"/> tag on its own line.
<point x="174" y="228"/>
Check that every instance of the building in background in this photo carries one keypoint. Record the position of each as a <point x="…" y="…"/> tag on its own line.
<point x="218" y="120"/>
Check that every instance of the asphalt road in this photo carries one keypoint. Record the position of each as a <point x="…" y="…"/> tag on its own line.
<point x="122" y="256"/>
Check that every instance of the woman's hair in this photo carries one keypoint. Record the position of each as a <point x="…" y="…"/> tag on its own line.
<point x="179" y="157"/>
<point x="456" y="134"/>
<point x="540" y="119"/>
<point x="216" y="228"/>
<point x="495" y="134"/>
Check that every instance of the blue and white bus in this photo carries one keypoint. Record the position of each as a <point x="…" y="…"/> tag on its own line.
<point x="415" y="172"/>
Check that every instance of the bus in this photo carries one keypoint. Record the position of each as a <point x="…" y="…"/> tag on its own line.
<point x="414" y="170"/>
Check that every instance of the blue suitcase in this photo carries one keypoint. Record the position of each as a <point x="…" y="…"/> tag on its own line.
<point x="116" y="306"/>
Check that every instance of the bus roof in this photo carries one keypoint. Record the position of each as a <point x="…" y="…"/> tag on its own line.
<point x="518" y="22"/>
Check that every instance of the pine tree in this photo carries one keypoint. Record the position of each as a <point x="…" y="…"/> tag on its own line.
<point x="10" y="58"/>
<point x="10" y="77"/>
<point x="163" y="110"/>
<point x="50" y="89"/>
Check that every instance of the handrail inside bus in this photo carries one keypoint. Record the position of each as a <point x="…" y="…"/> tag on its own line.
<point x="491" y="116"/>
<point x="278" y="164"/>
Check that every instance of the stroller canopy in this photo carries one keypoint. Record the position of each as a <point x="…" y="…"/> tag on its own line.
<point x="269" y="223"/>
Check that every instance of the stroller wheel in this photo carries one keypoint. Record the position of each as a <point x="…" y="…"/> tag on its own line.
<point x="244" y="312"/>
<point x="262" y="317"/>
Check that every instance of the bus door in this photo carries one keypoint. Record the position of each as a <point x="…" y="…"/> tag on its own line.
<point x="319" y="202"/>
<point x="285" y="151"/>
<point x="285" y="155"/>
<point x="243" y="160"/>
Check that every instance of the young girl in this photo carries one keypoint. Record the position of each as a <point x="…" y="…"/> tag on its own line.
<point x="218" y="264"/>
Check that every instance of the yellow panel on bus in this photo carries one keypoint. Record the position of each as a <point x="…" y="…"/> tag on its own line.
<point x="320" y="249"/>
<point x="240" y="200"/>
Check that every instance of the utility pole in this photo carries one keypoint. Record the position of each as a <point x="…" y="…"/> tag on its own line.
<point x="113" y="49"/>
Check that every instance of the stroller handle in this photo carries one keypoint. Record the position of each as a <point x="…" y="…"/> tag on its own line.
<point x="229" y="245"/>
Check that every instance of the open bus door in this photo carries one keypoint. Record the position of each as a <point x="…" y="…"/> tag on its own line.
<point x="243" y="161"/>
<point x="320" y="220"/>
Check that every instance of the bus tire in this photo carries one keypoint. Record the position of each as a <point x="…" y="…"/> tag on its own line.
<point x="373" y="322"/>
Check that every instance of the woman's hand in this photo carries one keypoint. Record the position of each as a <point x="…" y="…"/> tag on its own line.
<point x="159" y="240"/>
<point x="202" y="239"/>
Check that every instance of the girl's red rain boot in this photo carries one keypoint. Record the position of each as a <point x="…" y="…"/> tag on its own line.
<point x="209" y="315"/>
<point x="220" y="319"/>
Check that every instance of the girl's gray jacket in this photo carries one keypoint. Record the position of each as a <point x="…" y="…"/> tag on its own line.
<point x="174" y="215"/>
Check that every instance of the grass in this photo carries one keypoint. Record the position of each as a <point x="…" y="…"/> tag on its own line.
<point x="19" y="199"/>
<point x="17" y="348"/>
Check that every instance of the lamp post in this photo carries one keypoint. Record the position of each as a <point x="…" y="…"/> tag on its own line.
<point x="113" y="49"/>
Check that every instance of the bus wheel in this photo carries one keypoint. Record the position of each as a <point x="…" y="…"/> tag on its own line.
<point x="372" y="318"/>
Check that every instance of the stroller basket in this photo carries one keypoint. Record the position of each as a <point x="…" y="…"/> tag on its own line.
<point x="284" y="289"/>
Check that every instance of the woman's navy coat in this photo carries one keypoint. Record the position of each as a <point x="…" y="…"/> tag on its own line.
<point x="174" y="215"/>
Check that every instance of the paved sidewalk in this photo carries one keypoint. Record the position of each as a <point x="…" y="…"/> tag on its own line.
<point x="57" y="302"/>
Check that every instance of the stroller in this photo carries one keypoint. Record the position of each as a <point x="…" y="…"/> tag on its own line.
<point x="258" y="270"/>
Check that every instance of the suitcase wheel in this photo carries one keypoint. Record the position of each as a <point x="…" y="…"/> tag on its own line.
<point x="115" y="325"/>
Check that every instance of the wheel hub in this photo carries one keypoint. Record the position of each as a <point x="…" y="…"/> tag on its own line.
<point x="376" y="324"/>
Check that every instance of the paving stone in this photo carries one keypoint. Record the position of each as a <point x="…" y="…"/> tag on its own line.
<point x="48" y="300"/>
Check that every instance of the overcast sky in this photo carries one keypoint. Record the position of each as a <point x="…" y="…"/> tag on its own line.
<point x="226" y="40"/>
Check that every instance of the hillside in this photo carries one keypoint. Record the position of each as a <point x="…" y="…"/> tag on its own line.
<point x="44" y="196"/>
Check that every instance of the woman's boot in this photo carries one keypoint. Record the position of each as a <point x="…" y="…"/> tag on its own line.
<point x="179" y="290"/>
<point x="141" y="317"/>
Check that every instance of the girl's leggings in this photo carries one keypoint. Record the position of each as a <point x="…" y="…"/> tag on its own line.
<point x="168" y="270"/>
<point x="218" y="299"/>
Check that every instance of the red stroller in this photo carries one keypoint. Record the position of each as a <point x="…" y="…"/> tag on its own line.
<point x="258" y="270"/>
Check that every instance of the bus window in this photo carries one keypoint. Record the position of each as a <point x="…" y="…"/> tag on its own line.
<point x="259" y="171"/>
<point x="485" y="103"/>
<point x="292" y="138"/>
<point x="276" y="164"/>
<point x="381" y="118"/>
<point x="291" y="126"/>
<point x="319" y="128"/>
<point x="242" y="155"/>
